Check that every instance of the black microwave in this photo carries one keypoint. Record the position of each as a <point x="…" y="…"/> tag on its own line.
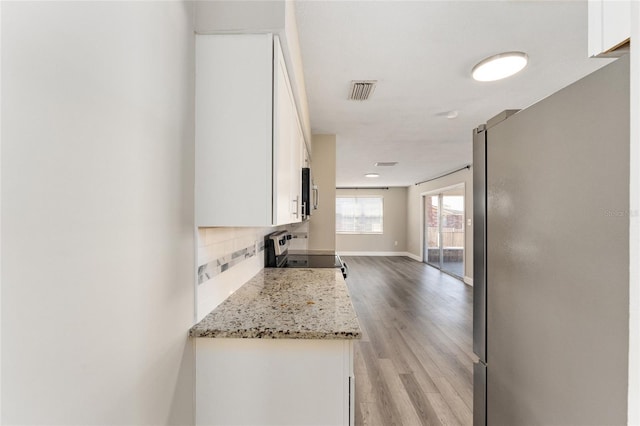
<point x="308" y="192"/>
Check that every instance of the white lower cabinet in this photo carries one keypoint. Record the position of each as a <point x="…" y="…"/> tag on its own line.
<point x="274" y="382"/>
<point x="248" y="167"/>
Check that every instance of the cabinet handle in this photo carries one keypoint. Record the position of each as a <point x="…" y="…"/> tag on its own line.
<point x="296" y="206"/>
<point x="316" y="197"/>
<point x="304" y="210"/>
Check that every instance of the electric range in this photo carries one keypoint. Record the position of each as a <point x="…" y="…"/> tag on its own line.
<point x="278" y="255"/>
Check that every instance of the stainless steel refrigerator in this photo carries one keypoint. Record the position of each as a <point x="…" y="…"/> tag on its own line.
<point x="551" y="258"/>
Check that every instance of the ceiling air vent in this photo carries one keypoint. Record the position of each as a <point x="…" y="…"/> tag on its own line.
<point x="386" y="163"/>
<point x="361" y="90"/>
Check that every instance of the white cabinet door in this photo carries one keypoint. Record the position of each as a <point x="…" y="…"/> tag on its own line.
<point x="283" y="143"/>
<point x="248" y="170"/>
<point x="287" y="168"/>
<point x="616" y="23"/>
<point x="234" y="81"/>
<point x="609" y="26"/>
<point x="298" y="163"/>
<point x="274" y="382"/>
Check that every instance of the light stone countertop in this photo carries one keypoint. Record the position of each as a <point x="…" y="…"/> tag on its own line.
<point x="305" y="303"/>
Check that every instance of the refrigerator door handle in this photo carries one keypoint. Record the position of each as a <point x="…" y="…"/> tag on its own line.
<point x="479" y="243"/>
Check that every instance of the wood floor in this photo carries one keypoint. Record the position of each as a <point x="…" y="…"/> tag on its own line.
<point x="414" y="363"/>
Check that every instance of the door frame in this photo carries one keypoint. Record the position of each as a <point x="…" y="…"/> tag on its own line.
<point x="425" y="194"/>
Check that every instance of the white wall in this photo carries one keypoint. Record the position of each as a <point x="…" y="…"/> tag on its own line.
<point x="415" y="219"/>
<point x="97" y="213"/>
<point x="394" y="224"/>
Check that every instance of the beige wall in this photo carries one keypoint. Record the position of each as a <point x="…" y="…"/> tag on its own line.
<point x="394" y="226"/>
<point x="322" y="225"/>
<point x="415" y="220"/>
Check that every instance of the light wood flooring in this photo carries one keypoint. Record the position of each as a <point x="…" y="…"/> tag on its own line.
<point x="414" y="363"/>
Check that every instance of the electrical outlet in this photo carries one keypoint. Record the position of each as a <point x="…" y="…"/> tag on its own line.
<point x="395" y="243"/>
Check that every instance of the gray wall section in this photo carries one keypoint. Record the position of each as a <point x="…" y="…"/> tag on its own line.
<point x="394" y="225"/>
<point x="558" y="247"/>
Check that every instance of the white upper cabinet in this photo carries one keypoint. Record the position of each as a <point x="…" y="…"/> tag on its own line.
<point x="288" y="139"/>
<point x="247" y="154"/>
<point x="255" y="17"/>
<point x="609" y="27"/>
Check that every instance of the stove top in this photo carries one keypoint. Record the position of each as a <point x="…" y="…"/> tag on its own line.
<point x="313" y="261"/>
<point x="277" y="255"/>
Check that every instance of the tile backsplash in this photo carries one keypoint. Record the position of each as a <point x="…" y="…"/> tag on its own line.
<point x="224" y="262"/>
<point x="300" y="234"/>
<point x="229" y="257"/>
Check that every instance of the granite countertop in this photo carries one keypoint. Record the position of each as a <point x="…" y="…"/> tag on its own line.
<point x="303" y="303"/>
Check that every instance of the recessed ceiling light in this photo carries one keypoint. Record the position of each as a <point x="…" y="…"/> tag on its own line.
<point x="499" y="66"/>
<point x="372" y="175"/>
<point x="452" y="114"/>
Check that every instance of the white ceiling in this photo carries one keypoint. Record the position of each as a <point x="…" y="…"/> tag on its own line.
<point x="421" y="53"/>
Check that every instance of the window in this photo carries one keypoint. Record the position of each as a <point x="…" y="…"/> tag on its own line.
<point x="359" y="215"/>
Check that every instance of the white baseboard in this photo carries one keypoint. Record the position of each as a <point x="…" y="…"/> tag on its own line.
<point x="468" y="281"/>
<point x="375" y="253"/>
<point x="414" y="257"/>
<point x="381" y="253"/>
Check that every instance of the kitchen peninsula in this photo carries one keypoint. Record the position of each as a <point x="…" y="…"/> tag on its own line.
<point x="278" y="351"/>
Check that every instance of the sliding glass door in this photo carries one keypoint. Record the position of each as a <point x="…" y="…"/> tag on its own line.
<point x="444" y="230"/>
<point x="452" y="231"/>
<point x="432" y="228"/>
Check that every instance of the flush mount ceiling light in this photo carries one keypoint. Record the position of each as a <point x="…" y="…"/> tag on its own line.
<point x="448" y="114"/>
<point x="372" y="175"/>
<point x="499" y="66"/>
